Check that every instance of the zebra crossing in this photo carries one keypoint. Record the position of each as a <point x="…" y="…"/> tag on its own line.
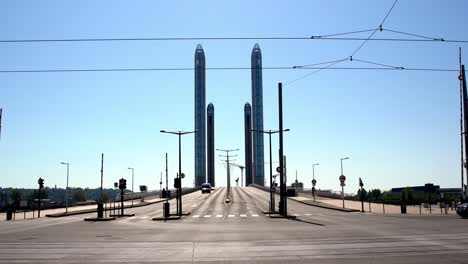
<point x="138" y="218"/>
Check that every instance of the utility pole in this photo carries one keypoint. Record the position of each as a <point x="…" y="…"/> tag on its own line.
<point x="228" y="198"/>
<point x="283" y="200"/>
<point x="133" y="174"/>
<point x="160" y="184"/>
<point x="180" y="175"/>
<point x="66" y="190"/>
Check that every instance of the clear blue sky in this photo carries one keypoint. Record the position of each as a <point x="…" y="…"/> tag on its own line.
<point x="399" y="128"/>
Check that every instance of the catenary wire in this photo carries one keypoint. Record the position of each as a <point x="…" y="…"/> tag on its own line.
<point x="228" y="68"/>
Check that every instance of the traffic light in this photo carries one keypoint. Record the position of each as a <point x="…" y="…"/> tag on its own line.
<point x="177" y="183"/>
<point x="41" y="183"/>
<point x="361" y="184"/>
<point x="122" y="184"/>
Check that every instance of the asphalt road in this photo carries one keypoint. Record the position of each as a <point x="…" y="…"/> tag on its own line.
<point x="238" y="232"/>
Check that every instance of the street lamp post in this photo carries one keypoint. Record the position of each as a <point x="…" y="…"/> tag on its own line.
<point x="342" y="184"/>
<point x="66" y="190"/>
<point x="179" y="175"/>
<point x="272" y="195"/>
<point x="313" y="178"/>
<point x="133" y="174"/>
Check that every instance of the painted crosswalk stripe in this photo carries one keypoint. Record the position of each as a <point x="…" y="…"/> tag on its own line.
<point x="255" y="215"/>
<point x="196" y="216"/>
<point x="243" y="215"/>
<point x="219" y="215"/>
<point x="231" y="216"/>
<point x="206" y="216"/>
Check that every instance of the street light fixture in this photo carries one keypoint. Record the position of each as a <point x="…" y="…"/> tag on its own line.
<point x="272" y="195"/>
<point x="66" y="190"/>
<point x="133" y="174"/>
<point x="179" y="175"/>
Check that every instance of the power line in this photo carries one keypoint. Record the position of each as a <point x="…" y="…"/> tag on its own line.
<point x="329" y="67"/>
<point x="355" y="51"/>
<point x="315" y="37"/>
<point x="414" y="35"/>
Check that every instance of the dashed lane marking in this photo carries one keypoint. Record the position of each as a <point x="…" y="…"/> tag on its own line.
<point x="255" y="215"/>
<point x="243" y="215"/>
<point x="231" y="215"/>
<point x="219" y="215"/>
<point x="196" y="216"/>
<point x="207" y="216"/>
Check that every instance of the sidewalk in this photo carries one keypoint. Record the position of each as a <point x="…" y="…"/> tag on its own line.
<point x="376" y="207"/>
<point x="82" y="209"/>
<point x="309" y="201"/>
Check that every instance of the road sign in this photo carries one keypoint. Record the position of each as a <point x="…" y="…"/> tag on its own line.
<point x="342" y="178"/>
<point x="314" y="181"/>
<point x="278" y="169"/>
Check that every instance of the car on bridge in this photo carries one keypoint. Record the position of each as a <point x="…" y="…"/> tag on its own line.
<point x="462" y="210"/>
<point x="206" y="188"/>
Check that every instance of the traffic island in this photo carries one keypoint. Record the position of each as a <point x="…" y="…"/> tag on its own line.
<point x="171" y="217"/>
<point x="122" y="215"/>
<point x="277" y="215"/>
<point x="97" y="219"/>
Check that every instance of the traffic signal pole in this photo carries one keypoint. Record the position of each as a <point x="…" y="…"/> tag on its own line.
<point x="283" y="206"/>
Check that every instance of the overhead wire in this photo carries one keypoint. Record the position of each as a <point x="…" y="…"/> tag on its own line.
<point x="316" y="69"/>
<point x="356" y="50"/>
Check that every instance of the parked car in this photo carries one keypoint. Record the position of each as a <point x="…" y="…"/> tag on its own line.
<point x="206" y="188"/>
<point x="462" y="210"/>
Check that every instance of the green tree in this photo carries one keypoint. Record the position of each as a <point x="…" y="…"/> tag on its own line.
<point x="407" y="195"/>
<point x="16" y="196"/>
<point x="79" y="196"/>
<point x="361" y="194"/>
<point x="376" y="194"/>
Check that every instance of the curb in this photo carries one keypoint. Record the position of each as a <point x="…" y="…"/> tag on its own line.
<point x="346" y="210"/>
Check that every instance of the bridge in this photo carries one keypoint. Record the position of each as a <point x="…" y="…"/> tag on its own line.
<point x="237" y="232"/>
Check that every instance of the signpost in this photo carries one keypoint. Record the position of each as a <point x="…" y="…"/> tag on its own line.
<point x="342" y="179"/>
<point x="314" y="182"/>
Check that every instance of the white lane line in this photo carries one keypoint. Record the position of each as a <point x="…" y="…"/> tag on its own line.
<point x="231" y="216"/>
<point x="144" y="217"/>
<point x="296" y="214"/>
<point x="243" y="215"/>
<point x="219" y="215"/>
<point x="255" y="215"/>
<point x="196" y="216"/>
<point x="307" y="214"/>
<point x="206" y="216"/>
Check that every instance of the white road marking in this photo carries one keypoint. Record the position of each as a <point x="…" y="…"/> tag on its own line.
<point x="196" y="216"/>
<point x="144" y="217"/>
<point x="231" y="216"/>
<point x="255" y="215"/>
<point x="307" y="214"/>
<point x="206" y="216"/>
<point x="296" y="214"/>
<point x="243" y="215"/>
<point x="219" y="215"/>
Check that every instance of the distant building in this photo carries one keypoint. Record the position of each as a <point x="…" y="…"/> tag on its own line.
<point x="257" y="116"/>
<point x="200" y="124"/>
<point x="210" y="137"/>
<point x="248" y="143"/>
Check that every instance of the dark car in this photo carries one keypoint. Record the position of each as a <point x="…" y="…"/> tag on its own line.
<point x="206" y="188"/>
<point x="462" y="210"/>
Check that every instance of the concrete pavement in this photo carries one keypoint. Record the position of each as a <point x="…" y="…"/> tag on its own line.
<point x="237" y="233"/>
